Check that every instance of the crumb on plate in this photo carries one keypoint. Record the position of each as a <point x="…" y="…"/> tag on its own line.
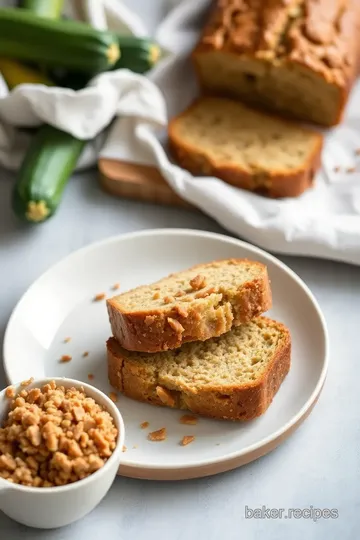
<point x="336" y="169"/>
<point x="67" y="339"/>
<point x="144" y="425"/>
<point x="113" y="396"/>
<point x="91" y="376"/>
<point x="187" y="439"/>
<point x="357" y="152"/>
<point x="65" y="358"/>
<point x="116" y="286"/>
<point x="351" y="169"/>
<point x="159" y="435"/>
<point x="124" y="448"/>
<point x="85" y="354"/>
<point x="188" y="419"/>
<point x="100" y="296"/>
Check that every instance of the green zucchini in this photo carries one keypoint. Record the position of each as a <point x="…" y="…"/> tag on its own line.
<point x="44" y="173"/>
<point x="137" y="54"/>
<point x="44" y="8"/>
<point x="67" y="43"/>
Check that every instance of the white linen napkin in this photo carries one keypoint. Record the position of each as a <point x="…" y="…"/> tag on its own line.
<point x="324" y="222"/>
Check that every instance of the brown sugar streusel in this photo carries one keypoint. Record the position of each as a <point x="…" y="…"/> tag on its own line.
<point x="98" y="297"/>
<point x="188" y="419"/>
<point x="54" y="436"/>
<point x="187" y="439"/>
<point x="168" y="300"/>
<point x="10" y="392"/>
<point x="156" y="295"/>
<point x="66" y="358"/>
<point x="144" y="425"/>
<point x="198" y="282"/>
<point x="159" y="435"/>
<point x="27" y="382"/>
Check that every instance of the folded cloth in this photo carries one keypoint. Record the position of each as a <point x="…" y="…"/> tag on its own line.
<point x="324" y="222"/>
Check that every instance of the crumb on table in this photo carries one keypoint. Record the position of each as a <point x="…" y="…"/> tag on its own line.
<point x="85" y="354"/>
<point x="124" y="448"/>
<point x="90" y="376"/>
<point x="336" y="169"/>
<point x="144" y="425"/>
<point x="159" y="435"/>
<point x="351" y="169"/>
<point x="116" y="286"/>
<point x="65" y="358"/>
<point x="67" y="339"/>
<point x="100" y="296"/>
<point x="187" y="439"/>
<point x="188" y="419"/>
<point x="113" y="396"/>
<point x="357" y="152"/>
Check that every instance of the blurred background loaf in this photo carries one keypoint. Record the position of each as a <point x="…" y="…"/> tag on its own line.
<point x="298" y="57"/>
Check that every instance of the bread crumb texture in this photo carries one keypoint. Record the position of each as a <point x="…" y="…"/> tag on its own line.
<point x="235" y="375"/>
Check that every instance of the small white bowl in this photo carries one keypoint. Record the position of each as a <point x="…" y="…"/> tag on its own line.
<point x="48" y="508"/>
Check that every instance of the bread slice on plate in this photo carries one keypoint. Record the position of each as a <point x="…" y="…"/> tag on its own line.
<point x="196" y="304"/>
<point x="234" y="376"/>
<point x="244" y="147"/>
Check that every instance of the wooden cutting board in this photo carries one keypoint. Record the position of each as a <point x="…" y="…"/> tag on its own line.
<point x="132" y="181"/>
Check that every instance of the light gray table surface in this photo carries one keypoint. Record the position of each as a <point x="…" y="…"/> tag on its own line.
<point x="318" y="466"/>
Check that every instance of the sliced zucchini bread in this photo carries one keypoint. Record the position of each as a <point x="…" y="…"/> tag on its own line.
<point x="196" y="304"/>
<point x="234" y="376"/>
<point x="246" y="148"/>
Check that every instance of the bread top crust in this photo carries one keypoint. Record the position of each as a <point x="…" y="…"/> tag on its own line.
<point x="318" y="34"/>
<point x="182" y="290"/>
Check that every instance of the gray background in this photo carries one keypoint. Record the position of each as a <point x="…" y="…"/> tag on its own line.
<point x="318" y="466"/>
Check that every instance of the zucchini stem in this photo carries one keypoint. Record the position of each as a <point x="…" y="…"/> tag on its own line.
<point x="113" y="53"/>
<point x="37" y="211"/>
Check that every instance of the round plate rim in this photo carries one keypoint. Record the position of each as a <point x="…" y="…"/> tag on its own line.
<point x="233" y="459"/>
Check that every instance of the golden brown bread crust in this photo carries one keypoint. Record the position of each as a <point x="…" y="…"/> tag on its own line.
<point x="274" y="184"/>
<point x="236" y="403"/>
<point x="169" y="327"/>
<point x="320" y="36"/>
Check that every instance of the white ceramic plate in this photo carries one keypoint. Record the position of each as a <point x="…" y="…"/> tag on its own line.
<point x="60" y="304"/>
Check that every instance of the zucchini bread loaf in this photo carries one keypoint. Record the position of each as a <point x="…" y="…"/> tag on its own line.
<point x="234" y="376"/>
<point x="244" y="147"/>
<point x="196" y="304"/>
<point x="299" y="57"/>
